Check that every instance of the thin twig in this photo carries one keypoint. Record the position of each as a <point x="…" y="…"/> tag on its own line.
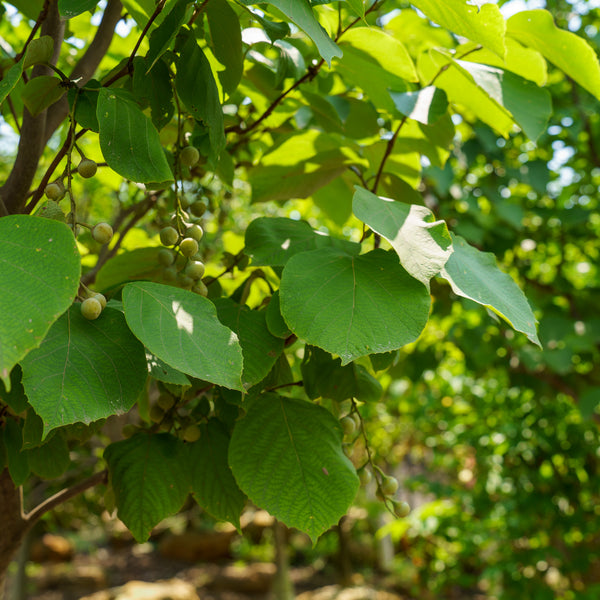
<point x="41" y="18"/>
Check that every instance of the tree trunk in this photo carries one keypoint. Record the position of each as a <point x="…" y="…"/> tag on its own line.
<point x="14" y="526"/>
<point x="283" y="588"/>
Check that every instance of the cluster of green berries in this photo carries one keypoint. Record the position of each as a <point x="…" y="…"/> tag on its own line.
<point x="92" y="307"/>
<point x="170" y="416"/>
<point x="190" y="277"/>
<point x="56" y="190"/>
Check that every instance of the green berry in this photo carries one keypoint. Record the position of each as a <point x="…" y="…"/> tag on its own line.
<point x="195" y="269"/>
<point x="185" y="281"/>
<point x="170" y="274"/>
<point x="169" y="236"/>
<point x="156" y="413"/>
<point x="189" y="156"/>
<point x="198" y="208"/>
<point x="348" y="426"/>
<point x="165" y="257"/>
<point x="191" y="433"/>
<point x="401" y="509"/>
<point x="389" y="485"/>
<point x="200" y="289"/>
<point x="188" y="247"/>
<point x="101" y="298"/>
<point x="102" y="233"/>
<point x="364" y="476"/>
<point x="166" y="401"/>
<point x="91" y="308"/>
<point x="87" y="168"/>
<point x="195" y="232"/>
<point x="128" y="430"/>
<point x="55" y="190"/>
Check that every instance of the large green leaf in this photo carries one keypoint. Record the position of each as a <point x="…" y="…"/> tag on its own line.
<point x="162" y="37"/>
<point x="71" y="8"/>
<point x="39" y="277"/>
<point x="286" y="454"/>
<point x="197" y="89"/>
<point x="475" y="275"/>
<point x="41" y="92"/>
<point x="569" y="52"/>
<point x="481" y="23"/>
<point x="226" y="36"/>
<point x="182" y="329"/>
<point x="260" y="348"/>
<point x="85" y="370"/>
<point x="129" y="141"/>
<point x="50" y="460"/>
<point x="213" y="484"/>
<point x="300" y="12"/>
<point x="422" y="243"/>
<point x="273" y="241"/>
<point x="352" y="306"/>
<point x="150" y="479"/>
<point x="426" y="105"/>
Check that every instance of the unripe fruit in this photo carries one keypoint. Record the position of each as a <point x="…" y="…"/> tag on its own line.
<point x="364" y="476"/>
<point x="389" y="485"/>
<point x="156" y="413"/>
<point x="348" y="426"/>
<point x="55" y="190"/>
<point x="401" y="509"/>
<point x="198" y="208"/>
<point x="185" y="281"/>
<point x="195" y="270"/>
<point x="102" y="233"/>
<point x="165" y="257"/>
<point x="188" y="247"/>
<point x="195" y="232"/>
<point x="200" y="289"/>
<point x="91" y="308"/>
<point x="170" y="274"/>
<point x="191" y="433"/>
<point x="101" y="298"/>
<point x="128" y="430"/>
<point x="87" y="168"/>
<point x="169" y="236"/>
<point x="166" y="401"/>
<point x="189" y="156"/>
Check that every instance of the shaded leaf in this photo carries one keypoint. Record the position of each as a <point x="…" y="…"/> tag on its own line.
<point x="41" y="92"/>
<point x="426" y="105"/>
<point x="71" y="8"/>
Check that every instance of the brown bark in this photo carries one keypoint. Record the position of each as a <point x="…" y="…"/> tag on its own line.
<point x="14" y="525"/>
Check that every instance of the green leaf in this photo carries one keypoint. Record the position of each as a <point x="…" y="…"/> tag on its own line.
<point x="569" y="52"/>
<point x="277" y="326"/>
<point x="10" y="80"/>
<point x="161" y="371"/>
<point x="213" y="484"/>
<point x="275" y="30"/>
<point x="530" y="105"/>
<point x="422" y="243"/>
<point x="162" y="37"/>
<point x="84" y="370"/>
<point x="51" y="459"/>
<point x="18" y="464"/>
<point x="482" y="23"/>
<point x="426" y="106"/>
<point x="199" y="92"/>
<point x="226" y="36"/>
<point x="154" y="88"/>
<point x="86" y="104"/>
<point x="182" y="329"/>
<point x="260" y="349"/>
<point x="15" y="395"/>
<point x="41" y="92"/>
<point x="71" y="8"/>
<point x="352" y="305"/>
<point x="324" y="377"/>
<point x="38" y="51"/>
<point x="273" y="241"/>
<point x="150" y="479"/>
<point x="129" y="141"/>
<point x="39" y="277"/>
<point x="300" y="12"/>
<point x="475" y="275"/>
<point x="286" y="455"/>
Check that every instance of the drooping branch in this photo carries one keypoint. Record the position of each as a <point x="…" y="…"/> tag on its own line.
<point x="32" y="141"/>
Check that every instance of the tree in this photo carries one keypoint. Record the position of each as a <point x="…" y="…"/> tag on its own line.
<point x="190" y="132"/>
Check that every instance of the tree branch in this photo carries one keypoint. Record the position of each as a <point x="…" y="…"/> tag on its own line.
<point x="87" y="64"/>
<point x="32" y="141"/>
<point x="49" y="504"/>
